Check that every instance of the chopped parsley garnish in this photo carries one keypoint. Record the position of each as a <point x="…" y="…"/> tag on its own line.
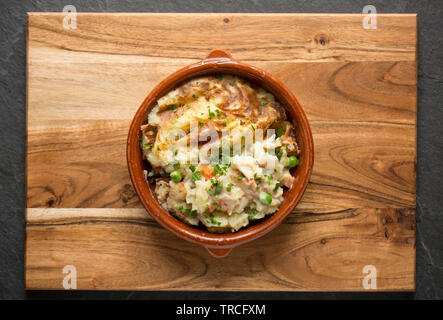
<point x="194" y="96"/>
<point x="229" y="187"/>
<point x="256" y="177"/>
<point x="220" y="170"/>
<point x="279" y="132"/>
<point x="196" y="176"/>
<point x="251" y="215"/>
<point x="253" y="128"/>
<point x="224" y="124"/>
<point x="276" y="187"/>
<point x="171" y="107"/>
<point x="200" y="124"/>
<point x="192" y="167"/>
<point x="211" y="114"/>
<point x="213" y="221"/>
<point x="175" y="152"/>
<point x="187" y="211"/>
<point x="147" y="146"/>
<point x="263" y="102"/>
<point x="279" y="153"/>
<point x="153" y="178"/>
<point x="217" y="186"/>
<point x="176" y="165"/>
<point x="268" y="178"/>
<point x="219" y="114"/>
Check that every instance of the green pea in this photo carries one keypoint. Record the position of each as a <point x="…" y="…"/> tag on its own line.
<point x="176" y="176"/>
<point x="292" y="161"/>
<point x="265" y="198"/>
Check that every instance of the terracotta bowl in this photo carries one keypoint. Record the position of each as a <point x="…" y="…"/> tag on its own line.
<point x="220" y="245"/>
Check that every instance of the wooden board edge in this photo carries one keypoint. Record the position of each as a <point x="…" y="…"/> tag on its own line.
<point x="409" y="286"/>
<point x="255" y="14"/>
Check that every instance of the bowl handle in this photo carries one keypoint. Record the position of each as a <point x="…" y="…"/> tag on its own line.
<point x="219" y="253"/>
<point x="219" y="53"/>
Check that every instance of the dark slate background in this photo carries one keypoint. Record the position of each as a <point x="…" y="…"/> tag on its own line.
<point x="429" y="268"/>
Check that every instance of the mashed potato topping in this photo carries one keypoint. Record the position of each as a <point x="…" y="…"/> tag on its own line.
<point x="221" y="151"/>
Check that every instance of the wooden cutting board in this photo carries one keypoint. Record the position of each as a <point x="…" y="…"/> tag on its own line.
<point x="357" y="86"/>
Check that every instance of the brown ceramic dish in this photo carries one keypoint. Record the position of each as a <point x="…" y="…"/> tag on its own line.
<point x="219" y="61"/>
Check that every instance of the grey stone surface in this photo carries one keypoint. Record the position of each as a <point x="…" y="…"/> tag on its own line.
<point x="429" y="268"/>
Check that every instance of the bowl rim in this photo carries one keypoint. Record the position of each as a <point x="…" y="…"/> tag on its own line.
<point x="218" y="61"/>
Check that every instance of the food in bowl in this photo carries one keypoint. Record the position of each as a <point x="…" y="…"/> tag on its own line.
<point x="219" y="151"/>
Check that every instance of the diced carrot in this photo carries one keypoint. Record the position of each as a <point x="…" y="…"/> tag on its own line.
<point x="212" y="209"/>
<point x="217" y="176"/>
<point x="251" y="181"/>
<point x="207" y="171"/>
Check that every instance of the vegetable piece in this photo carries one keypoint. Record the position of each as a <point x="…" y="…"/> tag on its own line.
<point x="279" y="153"/>
<point x="265" y="198"/>
<point x="276" y="187"/>
<point x="210" y="113"/>
<point x="251" y="215"/>
<point x="176" y="176"/>
<point x="292" y="161"/>
<point x="279" y="132"/>
<point x="192" y="168"/>
<point x="268" y="178"/>
<point x="207" y="171"/>
<point x="196" y="176"/>
<point x="221" y="170"/>
<point x="217" y="186"/>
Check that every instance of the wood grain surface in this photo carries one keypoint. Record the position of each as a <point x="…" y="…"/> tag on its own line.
<point x="358" y="88"/>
